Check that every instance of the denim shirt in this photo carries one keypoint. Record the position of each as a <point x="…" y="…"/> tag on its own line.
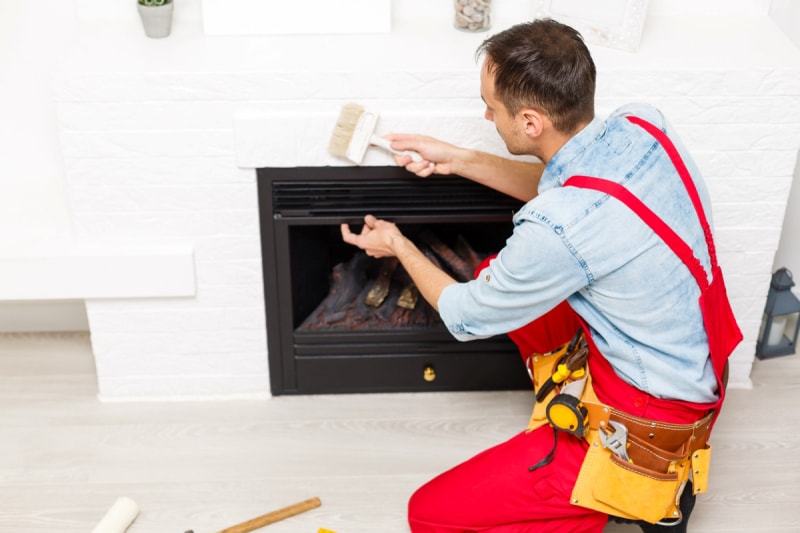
<point x="639" y="300"/>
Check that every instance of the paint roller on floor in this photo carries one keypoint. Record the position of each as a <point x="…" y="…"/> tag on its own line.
<point x="124" y="511"/>
<point x="119" y="517"/>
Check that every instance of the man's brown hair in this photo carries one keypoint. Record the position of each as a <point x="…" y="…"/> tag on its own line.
<point x="544" y="65"/>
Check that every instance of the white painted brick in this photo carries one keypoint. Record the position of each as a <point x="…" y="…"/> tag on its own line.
<point x="130" y="352"/>
<point x="758" y="215"/>
<point x="771" y="137"/>
<point x="748" y="312"/>
<point x="783" y="82"/>
<point x="164" y="199"/>
<point x="151" y="115"/>
<point x="746" y="292"/>
<point x="155" y="320"/>
<point x="228" y="248"/>
<point x="722" y="164"/>
<point x="236" y="272"/>
<point x="748" y="264"/>
<point x="259" y="86"/>
<point x="741" y="286"/>
<point x="756" y="189"/>
<point x="739" y="239"/>
<point x="142" y="143"/>
<point x="739" y="111"/>
<point x="741" y="364"/>
<point x="209" y="296"/>
<point x="148" y="171"/>
<point x="141" y="227"/>
<point x="691" y="83"/>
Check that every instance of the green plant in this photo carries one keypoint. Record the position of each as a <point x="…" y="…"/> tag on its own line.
<point x="154" y="2"/>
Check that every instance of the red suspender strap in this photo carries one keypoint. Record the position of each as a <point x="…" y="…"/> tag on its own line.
<point x="723" y="332"/>
<point x="679" y="165"/>
<point x="676" y="244"/>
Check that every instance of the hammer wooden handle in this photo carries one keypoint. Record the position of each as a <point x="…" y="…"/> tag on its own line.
<point x="274" y="516"/>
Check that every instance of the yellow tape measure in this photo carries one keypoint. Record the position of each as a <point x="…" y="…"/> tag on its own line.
<point x="566" y="413"/>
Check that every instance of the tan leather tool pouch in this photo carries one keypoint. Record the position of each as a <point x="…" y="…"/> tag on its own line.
<point x="648" y="488"/>
<point x="541" y="367"/>
<point x="610" y="485"/>
<point x="663" y="456"/>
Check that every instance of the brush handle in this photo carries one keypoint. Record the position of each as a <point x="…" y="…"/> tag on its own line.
<point x="274" y="516"/>
<point x="387" y="145"/>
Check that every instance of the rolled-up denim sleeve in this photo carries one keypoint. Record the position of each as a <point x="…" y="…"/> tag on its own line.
<point x="533" y="273"/>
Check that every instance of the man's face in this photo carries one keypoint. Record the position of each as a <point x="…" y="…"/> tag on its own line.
<point x="507" y="125"/>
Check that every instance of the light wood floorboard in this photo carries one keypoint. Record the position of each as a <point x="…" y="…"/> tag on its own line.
<point x="65" y="457"/>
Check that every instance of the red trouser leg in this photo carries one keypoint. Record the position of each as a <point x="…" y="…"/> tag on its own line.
<point x="494" y="491"/>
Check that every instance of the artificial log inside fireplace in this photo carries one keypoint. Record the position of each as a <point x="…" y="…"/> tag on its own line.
<point x="341" y="322"/>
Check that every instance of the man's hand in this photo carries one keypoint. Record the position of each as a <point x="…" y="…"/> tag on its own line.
<point x="438" y="157"/>
<point x="377" y="238"/>
<point x="517" y="178"/>
<point x="380" y="238"/>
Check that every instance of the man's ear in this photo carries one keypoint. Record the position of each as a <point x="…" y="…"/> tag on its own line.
<point x="533" y="121"/>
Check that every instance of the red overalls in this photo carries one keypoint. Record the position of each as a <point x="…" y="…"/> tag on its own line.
<point x="495" y="491"/>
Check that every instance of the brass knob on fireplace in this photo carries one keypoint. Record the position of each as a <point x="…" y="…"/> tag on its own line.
<point x="429" y="374"/>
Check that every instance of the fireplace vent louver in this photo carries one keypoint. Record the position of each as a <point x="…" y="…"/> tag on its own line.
<point x="350" y="197"/>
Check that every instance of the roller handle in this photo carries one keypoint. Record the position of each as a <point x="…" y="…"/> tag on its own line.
<point x="274" y="516"/>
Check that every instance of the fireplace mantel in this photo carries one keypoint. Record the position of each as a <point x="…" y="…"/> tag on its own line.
<point x="160" y="138"/>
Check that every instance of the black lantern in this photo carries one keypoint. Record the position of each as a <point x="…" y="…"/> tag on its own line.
<point x="780" y="325"/>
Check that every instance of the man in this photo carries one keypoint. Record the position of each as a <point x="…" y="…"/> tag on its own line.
<point x="582" y="272"/>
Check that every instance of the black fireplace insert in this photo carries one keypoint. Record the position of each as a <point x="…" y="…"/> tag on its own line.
<point x="341" y="322"/>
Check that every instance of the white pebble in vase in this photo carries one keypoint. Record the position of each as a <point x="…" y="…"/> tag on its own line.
<point x="473" y="15"/>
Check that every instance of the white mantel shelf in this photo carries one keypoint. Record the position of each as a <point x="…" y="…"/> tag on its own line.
<point x="160" y="136"/>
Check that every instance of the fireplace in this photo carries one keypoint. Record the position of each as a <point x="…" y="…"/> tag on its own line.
<point x="303" y="258"/>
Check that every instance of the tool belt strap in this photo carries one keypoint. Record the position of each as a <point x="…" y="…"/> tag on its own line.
<point x="678" y="439"/>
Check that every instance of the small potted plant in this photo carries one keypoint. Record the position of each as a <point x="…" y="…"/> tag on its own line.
<point x="156" y="17"/>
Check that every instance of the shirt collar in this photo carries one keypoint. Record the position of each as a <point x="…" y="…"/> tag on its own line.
<point x="559" y="164"/>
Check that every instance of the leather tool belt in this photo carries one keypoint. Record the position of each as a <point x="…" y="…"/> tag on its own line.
<point x="634" y="468"/>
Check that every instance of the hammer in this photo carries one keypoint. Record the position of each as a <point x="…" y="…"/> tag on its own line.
<point x="271" y="518"/>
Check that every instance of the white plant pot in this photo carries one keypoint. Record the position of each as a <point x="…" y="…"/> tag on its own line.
<point x="156" y="20"/>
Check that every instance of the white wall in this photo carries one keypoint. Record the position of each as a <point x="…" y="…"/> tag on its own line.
<point x="33" y="204"/>
<point x="786" y="14"/>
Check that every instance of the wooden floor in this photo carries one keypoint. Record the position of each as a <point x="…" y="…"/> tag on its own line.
<point x="205" y="466"/>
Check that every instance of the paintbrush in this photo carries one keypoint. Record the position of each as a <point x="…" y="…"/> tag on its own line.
<point x="355" y="132"/>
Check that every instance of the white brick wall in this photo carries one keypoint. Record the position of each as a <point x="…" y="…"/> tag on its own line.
<point x="158" y="151"/>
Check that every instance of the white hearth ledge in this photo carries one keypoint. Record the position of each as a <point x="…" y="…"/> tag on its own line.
<point x="100" y="273"/>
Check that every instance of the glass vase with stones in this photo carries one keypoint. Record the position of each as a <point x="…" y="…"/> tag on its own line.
<point x="473" y="15"/>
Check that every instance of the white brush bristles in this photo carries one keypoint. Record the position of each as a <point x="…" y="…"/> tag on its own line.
<point x="344" y="129"/>
<point x="355" y="132"/>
